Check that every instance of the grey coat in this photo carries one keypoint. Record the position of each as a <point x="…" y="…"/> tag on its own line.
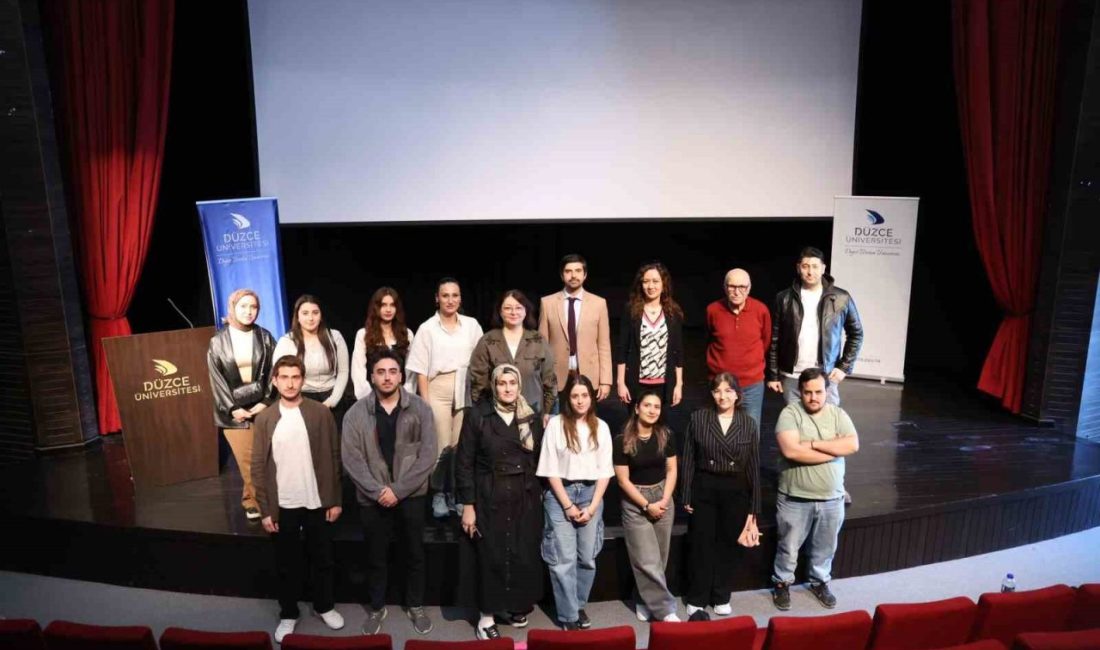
<point x="414" y="452"/>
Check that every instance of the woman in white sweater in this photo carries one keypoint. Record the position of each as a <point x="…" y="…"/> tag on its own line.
<point x="323" y="352"/>
<point x="385" y="327"/>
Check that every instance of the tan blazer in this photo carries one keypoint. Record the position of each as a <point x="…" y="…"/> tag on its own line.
<point x="593" y="337"/>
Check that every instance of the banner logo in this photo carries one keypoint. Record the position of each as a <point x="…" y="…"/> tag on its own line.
<point x="874" y="218"/>
<point x="164" y="368"/>
<point x="240" y="221"/>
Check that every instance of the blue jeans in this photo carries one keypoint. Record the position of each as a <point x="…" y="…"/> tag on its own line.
<point x="752" y="399"/>
<point x="814" y="522"/>
<point x="791" y="395"/>
<point x="570" y="550"/>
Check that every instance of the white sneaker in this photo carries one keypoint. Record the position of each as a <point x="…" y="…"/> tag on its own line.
<point x="671" y="618"/>
<point x="691" y="609"/>
<point x="286" y="626"/>
<point x="641" y="611"/>
<point x="332" y="619"/>
<point x="723" y="610"/>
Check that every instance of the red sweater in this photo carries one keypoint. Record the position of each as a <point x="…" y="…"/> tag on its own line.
<point x="739" y="342"/>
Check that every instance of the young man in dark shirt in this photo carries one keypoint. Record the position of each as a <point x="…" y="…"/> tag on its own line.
<point x="389" y="450"/>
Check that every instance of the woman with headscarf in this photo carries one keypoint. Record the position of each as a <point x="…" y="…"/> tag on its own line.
<point x="498" y="453"/>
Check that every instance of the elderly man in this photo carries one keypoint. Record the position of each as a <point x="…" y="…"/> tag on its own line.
<point x="740" y="333"/>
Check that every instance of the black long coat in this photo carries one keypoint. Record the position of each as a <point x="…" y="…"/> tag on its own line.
<point x="502" y="569"/>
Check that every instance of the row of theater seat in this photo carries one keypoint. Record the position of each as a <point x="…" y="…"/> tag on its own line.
<point x="1055" y="618"/>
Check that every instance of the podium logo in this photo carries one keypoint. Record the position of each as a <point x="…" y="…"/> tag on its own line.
<point x="168" y="383"/>
<point x="874" y="218"/>
<point x="164" y="368"/>
<point x="240" y="221"/>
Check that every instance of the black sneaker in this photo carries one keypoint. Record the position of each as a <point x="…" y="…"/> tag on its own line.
<point x="252" y="513"/>
<point x="421" y="623"/>
<point x="513" y="619"/>
<point x="583" y="622"/>
<point x="824" y="596"/>
<point x="569" y="626"/>
<point x="486" y="633"/>
<point x="781" y="596"/>
<point x="700" y="615"/>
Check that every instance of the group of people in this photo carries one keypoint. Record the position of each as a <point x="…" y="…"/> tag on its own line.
<point x="501" y="428"/>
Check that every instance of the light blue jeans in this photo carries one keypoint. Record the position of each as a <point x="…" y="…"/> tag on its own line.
<point x="752" y="399"/>
<point x="816" y="523"/>
<point x="791" y="395"/>
<point x="570" y="550"/>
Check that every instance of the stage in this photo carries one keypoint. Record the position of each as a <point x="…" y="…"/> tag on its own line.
<point x="942" y="473"/>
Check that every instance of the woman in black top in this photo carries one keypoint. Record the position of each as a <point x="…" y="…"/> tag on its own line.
<point x="644" y="456"/>
<point x="495" y="463"/>
<point x="650" y="349"/>
<point x="721" y="491"/>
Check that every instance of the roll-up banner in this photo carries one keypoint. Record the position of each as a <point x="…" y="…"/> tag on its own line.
<point x="241" y="238"/>
<point x="873" y="242"/>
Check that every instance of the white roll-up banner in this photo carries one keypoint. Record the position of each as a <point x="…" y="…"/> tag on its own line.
<point x="873" y="242"/>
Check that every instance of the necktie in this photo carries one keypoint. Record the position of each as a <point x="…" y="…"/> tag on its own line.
<point x="572" y="327"/>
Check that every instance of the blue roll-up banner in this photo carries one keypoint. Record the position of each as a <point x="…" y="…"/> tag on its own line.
<point x="241" y="238"/>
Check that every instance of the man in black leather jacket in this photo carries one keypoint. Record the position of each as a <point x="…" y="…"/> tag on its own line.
<point x="799" y="342"/>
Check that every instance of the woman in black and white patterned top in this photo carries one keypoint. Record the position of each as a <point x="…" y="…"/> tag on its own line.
<point x="650" y="350"/>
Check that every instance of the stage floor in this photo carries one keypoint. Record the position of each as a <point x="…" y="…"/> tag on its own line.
<point x="942" y="472"/>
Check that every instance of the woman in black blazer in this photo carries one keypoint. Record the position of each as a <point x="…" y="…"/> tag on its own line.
<point x="239" y="360"/>
<point x="650" y="349"/>
<point x="720" y="489"/>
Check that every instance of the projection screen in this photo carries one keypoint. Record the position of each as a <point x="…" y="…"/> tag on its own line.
<point x="475" y="110"/>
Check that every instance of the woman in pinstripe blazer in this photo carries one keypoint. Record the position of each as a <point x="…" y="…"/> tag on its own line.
<point x="721" y="491"/>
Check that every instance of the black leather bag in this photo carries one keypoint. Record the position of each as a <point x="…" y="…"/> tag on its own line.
<point x="248" y="394"/>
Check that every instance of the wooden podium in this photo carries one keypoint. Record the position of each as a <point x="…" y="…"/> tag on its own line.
<point x="162" y="387"/>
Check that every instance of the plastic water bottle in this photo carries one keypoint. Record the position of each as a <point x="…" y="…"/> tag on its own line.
<point x="1009" y="583"/>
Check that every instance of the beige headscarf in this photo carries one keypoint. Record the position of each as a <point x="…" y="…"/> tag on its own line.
<point x="522" y="410"/>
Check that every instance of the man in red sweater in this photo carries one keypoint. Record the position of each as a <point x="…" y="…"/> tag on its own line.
<point x="740" y="333"/>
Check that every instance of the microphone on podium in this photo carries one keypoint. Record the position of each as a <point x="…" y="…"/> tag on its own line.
<point x="178" y="311"/>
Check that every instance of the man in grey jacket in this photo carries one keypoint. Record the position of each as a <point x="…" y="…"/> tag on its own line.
<point x="389" y="451"/>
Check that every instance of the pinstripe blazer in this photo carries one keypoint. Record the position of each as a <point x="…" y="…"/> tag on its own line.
<point x="707" y="448"/>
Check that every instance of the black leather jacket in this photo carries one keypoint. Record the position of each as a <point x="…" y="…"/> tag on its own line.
<point x="835" y="313"/>
<point x="224" y="375"/>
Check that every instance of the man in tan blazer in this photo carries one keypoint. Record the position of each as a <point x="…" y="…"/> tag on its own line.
<point x="589" y="353"/>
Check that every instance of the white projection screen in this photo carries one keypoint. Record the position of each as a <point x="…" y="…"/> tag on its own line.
<point x="476" y="110"/>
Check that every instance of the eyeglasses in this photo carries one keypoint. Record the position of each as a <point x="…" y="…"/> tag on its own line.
<point x="743" y="288"/>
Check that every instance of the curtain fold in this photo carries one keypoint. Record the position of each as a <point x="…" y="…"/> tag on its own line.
<point x="114" y="67"/>
<point x="1005" y="60"/>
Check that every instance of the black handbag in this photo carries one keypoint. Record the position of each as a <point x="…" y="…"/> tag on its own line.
<point x="248" y="394"/>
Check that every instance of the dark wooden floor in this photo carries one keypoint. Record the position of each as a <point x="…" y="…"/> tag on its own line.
<point x="942" y="473"/>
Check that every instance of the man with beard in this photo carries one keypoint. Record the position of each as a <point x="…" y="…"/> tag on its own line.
<point x="389" y="450"/>
<point x="814" y="436"/>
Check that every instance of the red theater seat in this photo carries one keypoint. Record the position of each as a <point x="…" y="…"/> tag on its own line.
<point x="64" y="635"/>
<point x="847" y="631"/>
<point x="1086" y="608"/>
<point x="920" y="626"/>
<point x="178" y="638"/>
<point x="607" y="638"/>
<point x="1072" y="640"/>
<point x="735" y="633"/>
<point x="503" y="643"/>
<point x="21" y="634"/>
<point x="987" y="644"/>
<point x="357" y="642"/>
<point x="1002" y="616"/>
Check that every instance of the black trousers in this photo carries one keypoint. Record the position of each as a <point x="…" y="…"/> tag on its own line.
<point x="720" y="504"/>
<point x="380" y="528"/>
<point x="291" y="560"/>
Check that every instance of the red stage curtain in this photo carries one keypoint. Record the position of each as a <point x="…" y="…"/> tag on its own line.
<point x="1005" y="64"/>
<point x="114" y="62"/>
